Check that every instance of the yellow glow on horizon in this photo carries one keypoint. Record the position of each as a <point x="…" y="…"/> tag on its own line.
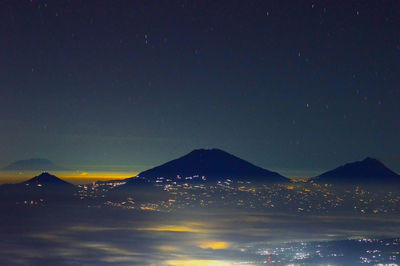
<point x="213" y="245"/>
<point x="95" y="175"/>
<point x="75" y="177"/>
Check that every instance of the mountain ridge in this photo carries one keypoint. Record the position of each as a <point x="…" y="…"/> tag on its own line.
<point x="42" y="187"/>
<point x="369" y="170"/>
<point x="46" y="178"/>
<point x="212" y="164"/>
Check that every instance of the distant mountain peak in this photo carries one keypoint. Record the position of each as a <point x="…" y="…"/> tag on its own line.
<point x="33" y="164"/>
<point x="213" y="164"/>
<point x="47" y="178"/>
<point x="203" y="150"/>
<point x="39" y="160"/>
<point x="209" y="152"/>
<point x="42" y="187"/>
<point x="371" y="160"/>
<point x="369" y="170"/>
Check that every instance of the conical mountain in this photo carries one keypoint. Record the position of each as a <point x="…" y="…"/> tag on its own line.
<point x="213" y="164"/>
<point x="46" y="179"/>
<point x="367" y="171"/>
<point x="44" y="186"/>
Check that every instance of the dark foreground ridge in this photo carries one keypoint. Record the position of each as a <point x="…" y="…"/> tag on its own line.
<point x="213" y="164"/>
<point x="367" y="171"/>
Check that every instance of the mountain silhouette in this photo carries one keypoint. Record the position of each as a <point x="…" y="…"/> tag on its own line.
<point x="367" y="171"/>
<point x="34" y="164"/>
<point x="212" y="164"/>
<point x="43" y="186"/>
<point x="46" y="179"/>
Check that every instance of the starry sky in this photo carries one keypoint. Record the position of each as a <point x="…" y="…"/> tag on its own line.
<point x="292" y="86"/>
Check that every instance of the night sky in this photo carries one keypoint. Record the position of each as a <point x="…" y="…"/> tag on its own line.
<point x="292" y="86"/>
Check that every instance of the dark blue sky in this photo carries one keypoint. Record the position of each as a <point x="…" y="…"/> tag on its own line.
<point x="292" y="86"/>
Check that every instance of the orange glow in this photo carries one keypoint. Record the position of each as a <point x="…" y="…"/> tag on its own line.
<point x="87" y="177"/>
<point x="213" y="245"/>
<point x="75" y="177"/>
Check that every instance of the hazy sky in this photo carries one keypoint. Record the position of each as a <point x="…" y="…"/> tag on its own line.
<point x="291" y="86"/>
